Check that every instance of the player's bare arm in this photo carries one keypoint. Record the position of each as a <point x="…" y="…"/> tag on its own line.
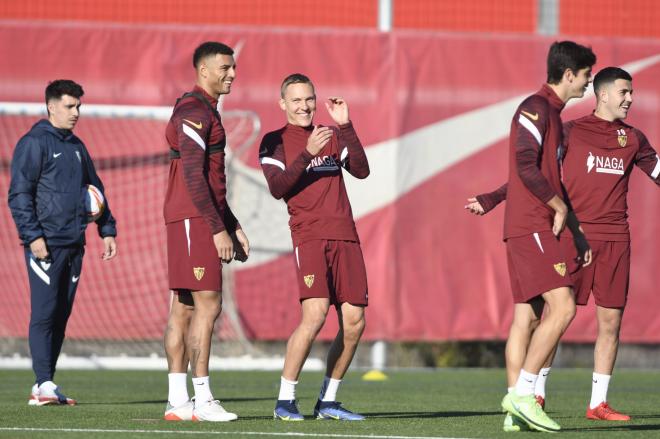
<point x="318" y="139"/>
<point x="338" y="110"/>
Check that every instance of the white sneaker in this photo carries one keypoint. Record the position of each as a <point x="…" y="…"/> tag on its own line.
<point x="34" y="396"/>
<point x="183" y="412"/>
<point x="49" y="394"/>
<point x="212" y="411"/>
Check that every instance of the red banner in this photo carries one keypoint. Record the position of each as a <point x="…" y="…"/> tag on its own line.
<point x="433" y="111"/>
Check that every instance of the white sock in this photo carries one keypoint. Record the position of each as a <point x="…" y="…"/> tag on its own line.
<point x="287" y="389"/>
<point x="510" y="389"/>
<point x="526" y="383"/>
<point x="539" y="389"/>
<point x="178" y="390"/>
<point x="329" y="389"/>
<point x="202" y="390"/>
<point x="599" y="386"/>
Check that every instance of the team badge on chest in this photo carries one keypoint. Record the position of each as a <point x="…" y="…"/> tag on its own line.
<point x="622" y="137"/>
<point x="309" y="280"/>
<point x="198" y="272"/>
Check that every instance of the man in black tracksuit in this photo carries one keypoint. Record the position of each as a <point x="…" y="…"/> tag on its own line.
<point x="50" y="171"/>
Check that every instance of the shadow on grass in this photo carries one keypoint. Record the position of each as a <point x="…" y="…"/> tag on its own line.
<point x="164" y="401"/>
<point x="617" y="427"/>
<point x="404" y="415"/>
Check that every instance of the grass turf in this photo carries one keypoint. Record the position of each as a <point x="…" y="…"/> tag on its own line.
<point x="439" y="403"/>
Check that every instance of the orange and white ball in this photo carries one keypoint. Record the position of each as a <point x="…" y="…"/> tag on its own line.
<point x="94" y="203"/>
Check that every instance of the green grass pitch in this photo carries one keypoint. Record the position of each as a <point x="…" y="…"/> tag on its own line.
<point x="450" y="403"/>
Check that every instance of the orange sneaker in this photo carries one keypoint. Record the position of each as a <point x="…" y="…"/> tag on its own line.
<point x="603" y="412"/>
<point x="541" y="401"/>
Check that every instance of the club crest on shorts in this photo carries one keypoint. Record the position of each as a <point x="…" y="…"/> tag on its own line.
<point x="309" y="280"/>
<point x="561" y="268"/>
<point x="198" y="272"/>
<point x="622" y="137"/>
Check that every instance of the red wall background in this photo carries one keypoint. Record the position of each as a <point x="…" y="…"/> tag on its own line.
<point x="435" y="272"/>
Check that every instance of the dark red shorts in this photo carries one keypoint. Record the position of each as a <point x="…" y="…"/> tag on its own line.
<point x="332" y="269"/>
<point x="607" y="276"/>
<point x="536" y="265"/>
<point x="192" y="259"/>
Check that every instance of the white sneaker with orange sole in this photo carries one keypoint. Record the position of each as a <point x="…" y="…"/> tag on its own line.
<point x="183" y="412"/>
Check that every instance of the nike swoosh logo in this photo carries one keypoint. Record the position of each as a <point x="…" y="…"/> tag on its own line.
<point x="531" y="116"/>
<point x="74" y="279"/>
<point x="193" y="124"/>
<point x="57" y="155"/>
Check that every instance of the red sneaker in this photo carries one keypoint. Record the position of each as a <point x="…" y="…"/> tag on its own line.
<point x="604" y="412"/>
<point x="541" y="401"/>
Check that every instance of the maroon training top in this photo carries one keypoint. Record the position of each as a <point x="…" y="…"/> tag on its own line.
<point x="535" y="148"/>
<point x="596" y="170"/>
<point x="313" y="186"/>
<point x="600" y="156"/>
<point x="197" y="181"/>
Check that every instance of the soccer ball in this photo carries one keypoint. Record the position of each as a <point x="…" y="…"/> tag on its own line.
<point x="94" y="203"/>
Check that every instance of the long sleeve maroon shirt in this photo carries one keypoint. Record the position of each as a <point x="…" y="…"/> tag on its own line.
<point x="535" y="148"/>
<point x="313" y="186"/>
<point x="197" y="180"/>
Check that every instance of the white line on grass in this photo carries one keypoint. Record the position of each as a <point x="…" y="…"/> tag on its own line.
<point x="241" y="433"/>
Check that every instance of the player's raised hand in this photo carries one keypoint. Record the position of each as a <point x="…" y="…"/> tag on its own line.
<point x="241" y="245"/>
<point x="338" y="109"/>
<point x="474" y="206"/>
<point x="224" y="245"/>
<point x="318" y="139"/>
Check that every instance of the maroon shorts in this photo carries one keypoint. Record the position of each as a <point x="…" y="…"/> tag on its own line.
<point x="192" y="259"/>
<point x="607" y="276"/>
<point x="332" y="269"/>
<point x="536" y="264"/>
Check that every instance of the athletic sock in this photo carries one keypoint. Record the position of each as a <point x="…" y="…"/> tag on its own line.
<point x="539" y="389"/>
<point x="202" y="390"/>
<point x="526" y="383"/>
<point x="599" y="386"/>
<point x="329" y="389"/>
<point x="287" y="389"/>
<point x="178" y="389"/>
